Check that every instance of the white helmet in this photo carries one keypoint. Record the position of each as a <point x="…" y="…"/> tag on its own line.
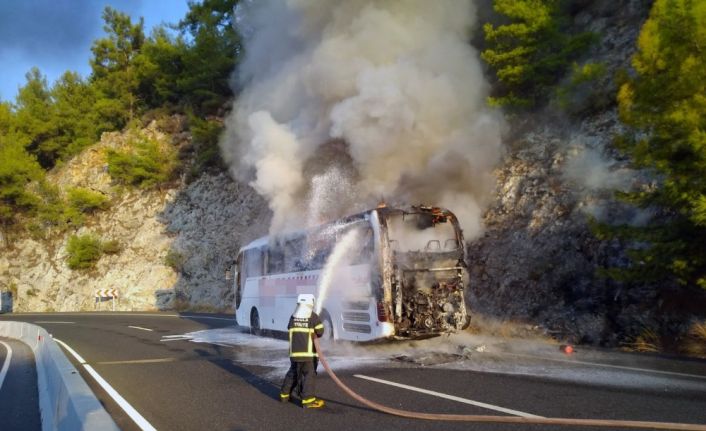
<point x="306" y="299"/>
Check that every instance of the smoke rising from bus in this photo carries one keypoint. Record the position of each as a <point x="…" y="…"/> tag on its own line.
<point x="386" y="98"/>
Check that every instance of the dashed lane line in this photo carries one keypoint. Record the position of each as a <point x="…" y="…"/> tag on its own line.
<point x="6" y="364"/>
<point x="449" y="397"/>
<point x="140" y="328"/>
<point x="186" y="316"/>
<point x="212" y="318"/>
<point x="99" y="314"/>
<point x="134" y="414"/>
<point x="53" y="321"/>
<point x="137" y="361"/>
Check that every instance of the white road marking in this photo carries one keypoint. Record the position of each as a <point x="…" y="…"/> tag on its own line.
<point x="137" y="361"/>
<point x="72" y="351"/>
<point x="219" y="344"/>
<point x="134" y="414"/>
<point x="53" y="321"/>
<point x="97" y="314"/>
<point x="209" y="317"/>
<point x="140" y="328"/>
<point x="450" y="397"/>
<point x="174" y="336"/>
<point x="6" y="364"/>
<point x="184" y="316"/>
<point x="619" y="367"/>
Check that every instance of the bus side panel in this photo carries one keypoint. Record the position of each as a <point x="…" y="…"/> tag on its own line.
<point x="249" y="300"/>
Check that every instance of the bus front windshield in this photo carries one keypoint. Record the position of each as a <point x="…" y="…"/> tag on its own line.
<point x="421" y="232"/>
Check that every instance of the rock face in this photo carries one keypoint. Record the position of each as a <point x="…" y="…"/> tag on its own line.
<point x="202" y="224"/>
<point x="537" y="261"/>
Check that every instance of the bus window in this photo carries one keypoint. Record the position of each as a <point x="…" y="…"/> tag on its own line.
<point x="367" y="247"/>
<point x="420" y="233"/>
<point x="318" y="248"/>
<point x="238" y="280"/>
<point x="253" y="263"/>
<point x="275" y="259"/>
<point x="294" y="256"/>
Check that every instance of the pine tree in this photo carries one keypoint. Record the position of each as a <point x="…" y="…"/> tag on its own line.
<point x="17" y="169"/>
<point x="531" y="52"/>
<point x="73" y="115"/>
<point x="162" y="66"/>
<point x="665" y="106"/>
<point x="115" y="65"/>
<point x="211" y="57"/>
<point x="34" y="119"/>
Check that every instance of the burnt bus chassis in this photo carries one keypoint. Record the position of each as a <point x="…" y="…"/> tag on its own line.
<point x="435" y="306"/>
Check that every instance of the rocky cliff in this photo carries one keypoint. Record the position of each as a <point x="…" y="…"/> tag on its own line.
<point x="537" y="261"/>
<point x="174" y="243"/>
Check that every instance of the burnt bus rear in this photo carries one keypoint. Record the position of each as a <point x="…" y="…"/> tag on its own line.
<point x="424" y="272"/>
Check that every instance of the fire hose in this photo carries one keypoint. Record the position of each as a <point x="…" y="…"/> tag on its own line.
<point x="502" y="419"/>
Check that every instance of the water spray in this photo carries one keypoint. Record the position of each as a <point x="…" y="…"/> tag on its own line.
<point x="334" y="261"/>
<point x="502" y="419"/>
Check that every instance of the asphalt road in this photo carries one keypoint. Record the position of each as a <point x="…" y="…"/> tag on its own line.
<point x="19" y="399"/>
<point x="230" y="381"/>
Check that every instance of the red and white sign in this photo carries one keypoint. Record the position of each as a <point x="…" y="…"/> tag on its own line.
<point x="107" y="293"/>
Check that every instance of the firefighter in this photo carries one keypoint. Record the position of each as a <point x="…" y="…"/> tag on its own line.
<point x="303" y="326"/>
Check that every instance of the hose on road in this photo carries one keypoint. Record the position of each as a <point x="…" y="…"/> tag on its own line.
<point x="503" y="419"/>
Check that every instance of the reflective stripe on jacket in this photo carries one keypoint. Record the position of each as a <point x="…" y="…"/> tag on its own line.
<point x="301" y="333"/>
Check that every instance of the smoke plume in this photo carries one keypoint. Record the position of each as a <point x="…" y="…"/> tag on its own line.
<point x="344" y="104"/>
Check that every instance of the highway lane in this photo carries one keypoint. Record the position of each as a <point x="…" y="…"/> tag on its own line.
<point x="178" y="384"/>
<point x="19" y="398"/>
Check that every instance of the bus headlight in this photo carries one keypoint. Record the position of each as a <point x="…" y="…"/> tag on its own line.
<point x="388" y="329"/>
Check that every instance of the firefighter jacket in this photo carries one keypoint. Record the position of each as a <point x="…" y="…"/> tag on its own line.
<point x="301" y="333"/>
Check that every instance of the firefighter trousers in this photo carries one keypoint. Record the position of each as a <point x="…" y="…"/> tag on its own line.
<point x="301" y="376"/>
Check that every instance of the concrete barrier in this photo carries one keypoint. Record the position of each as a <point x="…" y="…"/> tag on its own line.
<point x="65" y="400"/>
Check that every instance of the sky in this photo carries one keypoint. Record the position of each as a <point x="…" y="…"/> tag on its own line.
<point x="56" y="35"/>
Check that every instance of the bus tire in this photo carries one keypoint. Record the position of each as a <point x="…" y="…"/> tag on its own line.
<point x="328" y="326"/>
<point x="467" y="323"/>
<point x="254" y="322"/>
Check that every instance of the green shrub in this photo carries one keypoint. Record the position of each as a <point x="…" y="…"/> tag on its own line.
<point x="174" y="260"/>
<point x="52" y="211"/>
<point x="86" y="201"/>
<point x="145" y="164"/>
<point x="13" y="290"/>
<point x="111" y="247"/>
<point x="83" y="251"/>
<point x="205" y="134"/>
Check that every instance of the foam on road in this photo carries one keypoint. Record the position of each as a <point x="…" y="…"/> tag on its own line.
<point x="474" y="353"/>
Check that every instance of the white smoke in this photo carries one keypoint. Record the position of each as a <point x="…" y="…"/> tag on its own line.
<point x="396" y="82"/>
<point x="590" y="170"/>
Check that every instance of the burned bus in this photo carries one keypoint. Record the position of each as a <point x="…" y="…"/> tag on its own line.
<point x="401" y="275"/>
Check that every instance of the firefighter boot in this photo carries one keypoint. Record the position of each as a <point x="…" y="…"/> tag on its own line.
<point x="284" y="397"/>
<point x="313" y="403"/>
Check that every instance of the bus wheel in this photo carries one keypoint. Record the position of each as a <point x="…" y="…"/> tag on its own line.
<point x="328" y="326"/>
<point x="254" y="322"/>
<point x="467" y="322"/>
